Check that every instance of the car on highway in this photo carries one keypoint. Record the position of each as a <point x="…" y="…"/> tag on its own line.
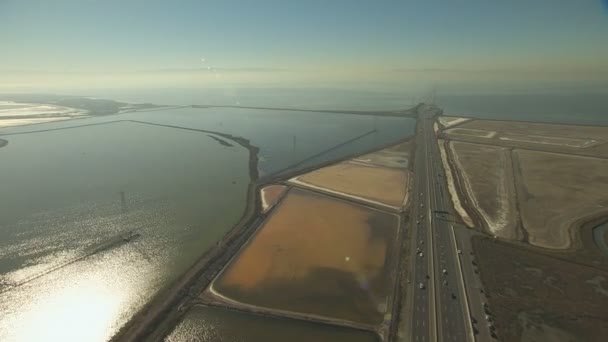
<point x="421" y="286"/>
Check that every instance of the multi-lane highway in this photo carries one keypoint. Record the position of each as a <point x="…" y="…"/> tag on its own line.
<point x="438" y="297"/>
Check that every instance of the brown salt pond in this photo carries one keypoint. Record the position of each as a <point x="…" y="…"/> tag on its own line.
<point x="395" y="156"/>
<point x="208" y="324"/>
<point x="317" y="256"/>
<point x="379" y="185"/>
<point x="270" y="195"/>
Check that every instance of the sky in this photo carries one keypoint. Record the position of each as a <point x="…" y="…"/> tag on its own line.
<point x="131" y="43"/>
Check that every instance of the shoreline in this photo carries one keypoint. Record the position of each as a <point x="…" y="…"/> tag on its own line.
<point x="157" y="318"/>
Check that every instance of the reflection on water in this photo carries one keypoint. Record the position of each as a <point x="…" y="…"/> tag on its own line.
<point x="94" y="221"/>
<point x="83" y="302"/>
<point x="320" y="256"/>
<point x="206" y="324"/>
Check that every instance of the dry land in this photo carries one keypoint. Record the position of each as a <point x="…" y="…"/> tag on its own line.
<point x="451" y="179"/>
<point x="486" y="174"/>
<point x="270" y="195"/>
<point x="397" y="156"/>
<point x="449" y="121"/>
<point x="579" y="140"/>
<point x="468" y="132"/>
<point x="537" y="192"/>
<point x="558" y="193"/>
<point x="380" y="178"/>
<point x="535" y="296"/>
<point x="542" y="189"/>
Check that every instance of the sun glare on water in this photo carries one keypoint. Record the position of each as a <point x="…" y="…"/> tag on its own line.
<point x="83" y="310"/>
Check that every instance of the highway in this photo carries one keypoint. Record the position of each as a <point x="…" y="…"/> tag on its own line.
<point x="438" y="301"/>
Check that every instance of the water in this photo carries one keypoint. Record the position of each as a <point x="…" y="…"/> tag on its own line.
<point x="259" y="96"/>
<point x="206" y="324"/>
<point x="563" y="103"/>
<point x="285" y="138"/>
<point x="566" y="108"/>
<point x="96" y="220"/>
<point x="320" y="256"/>
<point x="99" y="215"/>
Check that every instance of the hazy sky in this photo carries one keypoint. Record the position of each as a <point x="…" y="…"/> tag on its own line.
<point x="349" y="38"/>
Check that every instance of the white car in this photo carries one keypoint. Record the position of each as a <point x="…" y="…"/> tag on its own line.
<point x="421" y="286"/>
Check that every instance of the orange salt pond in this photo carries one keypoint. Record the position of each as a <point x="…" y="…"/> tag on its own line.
<point x="320" y="256"/>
